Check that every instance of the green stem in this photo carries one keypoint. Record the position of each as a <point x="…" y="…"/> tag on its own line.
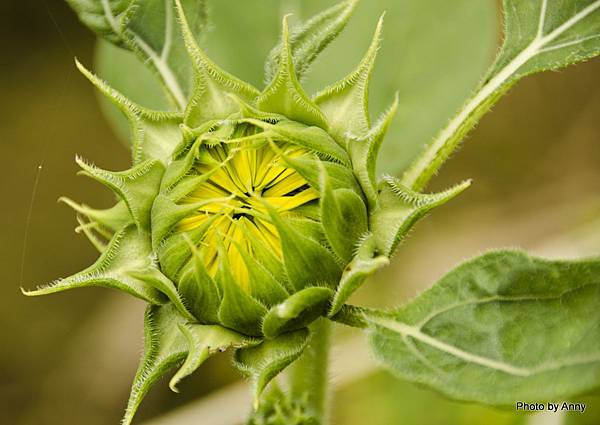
<point x="308" y="376"/>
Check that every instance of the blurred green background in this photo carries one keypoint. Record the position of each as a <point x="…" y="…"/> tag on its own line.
<point x="70" y="359"/>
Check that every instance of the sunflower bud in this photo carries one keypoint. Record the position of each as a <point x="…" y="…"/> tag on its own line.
<point x="232" y="213"/>
<point x="250" y="214"/>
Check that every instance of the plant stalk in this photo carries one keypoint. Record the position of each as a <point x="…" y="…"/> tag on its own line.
<point x="308" y="376"/>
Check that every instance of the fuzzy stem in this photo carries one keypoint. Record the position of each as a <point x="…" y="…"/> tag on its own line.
<point x="308" y="376"/>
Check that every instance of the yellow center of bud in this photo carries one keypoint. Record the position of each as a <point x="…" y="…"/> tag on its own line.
<point x="241" y="178"/>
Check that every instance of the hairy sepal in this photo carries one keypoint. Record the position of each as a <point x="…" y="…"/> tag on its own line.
<point x="166" y="214"/>
<point x="113" y="218"/>
<point x="137" y="187"/>
<point x="364" y="151"/>
<point x="284" y="95"/>
<point x="364" y="264"/>
<point x="305" y="259"/>
<point x="312" y="138"/>
<point x="346" y="103"/>
<point x="264" y="286"/>
<point x="264" y="362"/>
<point x="170" y="340"/>
<point x="154" y="135"/>
<point x="399" y="208"/>
<point x="210" y="97"/>
<point x="311" y="38"/>
<point x="199" y="289"/>
<point x="202" y="342"/>
<point x="297" y="311"/>
<point x="309" y="167"/>
<point x="238" y="309"/>
<point x="118" y="267"/>
<point x="344" y="217"/>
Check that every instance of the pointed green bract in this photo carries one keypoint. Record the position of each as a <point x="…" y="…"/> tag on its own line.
<point x="154" y="135"/>
<point x="312" y="138"/>
<point x="238" y="310"/>
<point x="284" y="95"/>
<point x="210" y="99"/>
<point x="304" y="258"/>
<point x="154" y="277"/>
<point x="127" y="251"/>
<point x="365" y="150"/>
<point x="113" y="218"/>
<point x="137" y="187"/>
<point x="176" y="251"/>
<point x="199" y="289"/>
<point x="265" y="361"/>
<point x="164" y="348"/>
<point x="346" y="103"/>
<point x="298" y="311"/>
<point x="310" y="168"/>
<point x="364" y="264"/>
<point x="399" y="208"/>
<point x="344" y="217"/>
<point x="166" y="214"/>
<point x="308" y="41"/>
<point x="202" y="342"/>
<point x="263" y="285"/>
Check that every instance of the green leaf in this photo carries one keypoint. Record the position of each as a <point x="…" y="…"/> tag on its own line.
<point x="108" y="18"/>
<point x="265" y="361"/>
<point x="390" y="398"/>
<point x="311" y="38"/>
<point x="298" y="311"/>
<point x="128" y="251"/>
<point x="540" y="35"/>
<point x="130" y="76"/>
<point x="148" y="28"/>
<point x="284" y="95"/>
<point x="346" y="103"/>
<point x="398" y="209"/>
<point x="499" y="328"/>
